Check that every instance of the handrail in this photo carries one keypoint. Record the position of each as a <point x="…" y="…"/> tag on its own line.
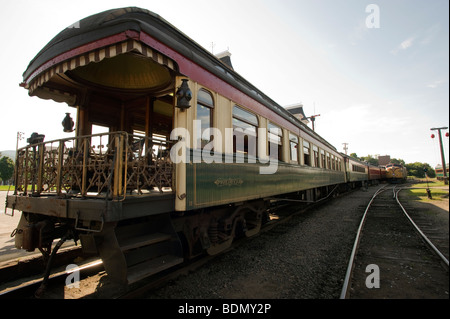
<point x="101" y="165"/>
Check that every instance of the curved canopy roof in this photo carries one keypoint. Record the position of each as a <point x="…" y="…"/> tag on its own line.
<point x="88" y="30"/>
<point x="111" y="40"/>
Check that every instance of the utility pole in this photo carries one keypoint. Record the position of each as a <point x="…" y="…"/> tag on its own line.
<point x="19" y="137"/>
<point x="442" y="150"/>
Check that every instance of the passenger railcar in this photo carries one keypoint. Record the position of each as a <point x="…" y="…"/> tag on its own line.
<point x="375" y="174"/>
<point x="159" y="184"/>
<point x="357" y="172"/>
<point x="383" y="173"/>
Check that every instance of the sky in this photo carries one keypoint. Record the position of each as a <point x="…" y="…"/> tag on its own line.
<point x="376" y="71"/>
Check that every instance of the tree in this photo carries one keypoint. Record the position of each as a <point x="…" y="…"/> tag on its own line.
<point x="370" y="159"/>
<point x="398" y="161"/>
<point x="6" y="168"/>
<point x="417" y="170"/>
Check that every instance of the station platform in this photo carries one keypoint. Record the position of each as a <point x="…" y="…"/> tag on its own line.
<point x="7" y="224"/>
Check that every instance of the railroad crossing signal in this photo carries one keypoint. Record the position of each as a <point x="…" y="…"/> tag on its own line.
<point x="313" y="118"/>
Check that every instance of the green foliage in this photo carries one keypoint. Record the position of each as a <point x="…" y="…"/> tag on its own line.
<point x="6" y="168"/>
<point x="398" y="161"/>
<point x="416" y="170"/>
<point x="374" y="161"/>
<point x="370" y="159"/>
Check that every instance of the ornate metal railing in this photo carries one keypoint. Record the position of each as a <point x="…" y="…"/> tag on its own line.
<point x="111" y="165"/>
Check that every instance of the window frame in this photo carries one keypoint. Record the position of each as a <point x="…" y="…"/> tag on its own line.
<point x="250" y="121"/>
<point x="306" y="155"/>
<point x="278" y="138"/>
<point x="293" y="147"/>
<point x="315" y="154"/>
<point x="207" y="105"/>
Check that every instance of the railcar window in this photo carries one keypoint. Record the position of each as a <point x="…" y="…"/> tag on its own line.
<point x="245" y="116"/>
<point x="333" y="163"/>
<point x="245" y="127"/>
<point x="293" y="141"/>
<point x="276" y="136"/>
<point x="357" y="168"/>
<point x="316" y="156"/>
<point x="205" y="105"/>
<point x="322" y="155"/>
<point x="328" y="161"/>
<point x="306" y="153"/>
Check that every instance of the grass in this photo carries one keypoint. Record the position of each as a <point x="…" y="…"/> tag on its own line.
<point x="419" y="190"/>
<point x="431" y="183"/>
<point x="421" y="193"/>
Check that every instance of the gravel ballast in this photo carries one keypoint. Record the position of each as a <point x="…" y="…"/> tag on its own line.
<point x="304" y="258"/>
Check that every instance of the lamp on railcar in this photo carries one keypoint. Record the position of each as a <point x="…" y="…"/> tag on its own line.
<point x="68" y="123"/>
<point x="184" y="95"/>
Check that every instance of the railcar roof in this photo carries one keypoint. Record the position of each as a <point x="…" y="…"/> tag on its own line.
<point x="115" y="21"/>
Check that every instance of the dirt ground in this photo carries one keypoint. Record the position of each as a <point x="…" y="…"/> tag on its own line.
<point x="7" y="225"/>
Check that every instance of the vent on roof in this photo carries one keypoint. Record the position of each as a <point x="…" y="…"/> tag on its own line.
<point x="225" y="58"/>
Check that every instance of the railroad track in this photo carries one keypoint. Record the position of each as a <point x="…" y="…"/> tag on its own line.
<point x="392" y="257"/>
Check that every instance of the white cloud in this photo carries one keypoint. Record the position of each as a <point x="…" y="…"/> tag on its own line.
<point x="407" y="43"/>
<point x="435" y="84"/>
<point x="404" y="45"/>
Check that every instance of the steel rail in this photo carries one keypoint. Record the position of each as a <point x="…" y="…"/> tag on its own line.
<point x="356" y="244"/>
<point x="28" y="289"/>
<point x="443" y="258"/>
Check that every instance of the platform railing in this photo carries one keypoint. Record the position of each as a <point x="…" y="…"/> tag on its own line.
<point x="111" y="165"/>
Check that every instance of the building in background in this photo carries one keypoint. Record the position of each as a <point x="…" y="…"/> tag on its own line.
<point x="383" y="160"/>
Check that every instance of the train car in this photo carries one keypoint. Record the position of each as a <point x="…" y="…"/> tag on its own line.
<point x="375" y="174"/>
<point x="357" y="172"/>
<point x="396" y="173"/>
<point x="190" y="155"/>
<point x="383" y="173"/>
